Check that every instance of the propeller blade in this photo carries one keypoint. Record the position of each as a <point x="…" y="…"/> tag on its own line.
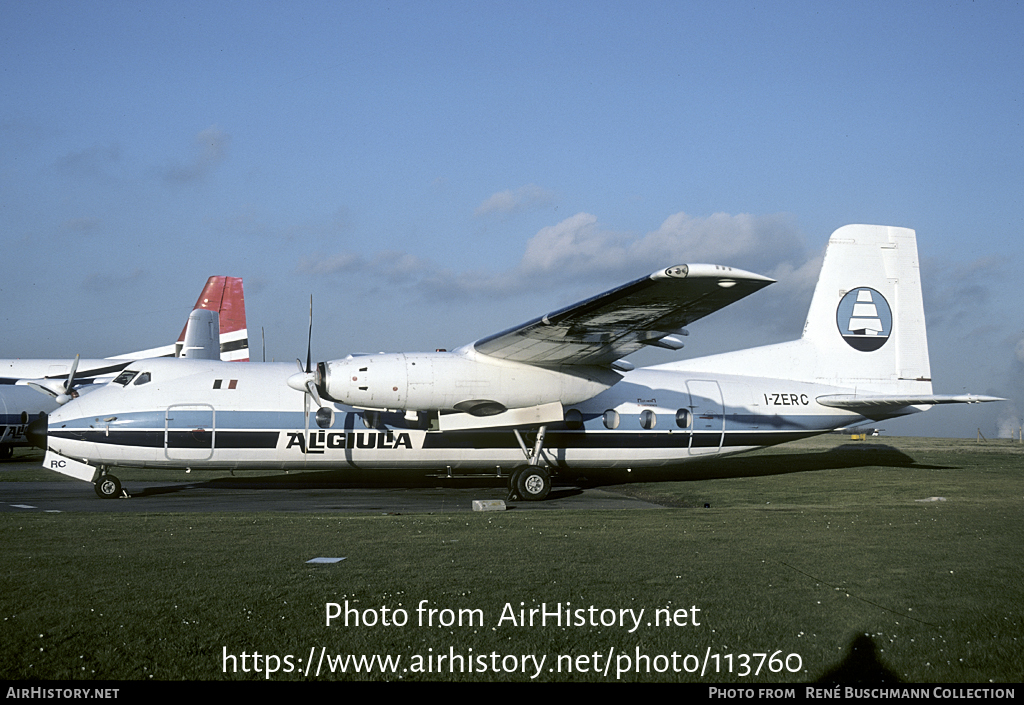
<point x="71" y="375"/>
<point x="309" y="343"/>
<point x="61" y="390"/>
<point x="311" y="388"/>
<point x="305" y="380"/>
<point x="305" y="413"/>
<point x="40" y="388"/>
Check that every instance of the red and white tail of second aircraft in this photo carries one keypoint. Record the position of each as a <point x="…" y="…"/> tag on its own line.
<point x="225" y="296"/>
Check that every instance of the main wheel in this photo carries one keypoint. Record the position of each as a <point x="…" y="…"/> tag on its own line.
<point x="108" y="487"/>
<point x="533" y="483"/>
<point x="513" y="479"/>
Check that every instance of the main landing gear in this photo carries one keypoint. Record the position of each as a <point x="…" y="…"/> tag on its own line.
<point x="529" y="483"/>
<point x="532" y="481"/>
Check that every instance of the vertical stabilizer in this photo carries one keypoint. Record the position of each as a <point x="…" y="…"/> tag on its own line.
<point x="202" y="336"/>
<point x="225" y="296"/>
<point x="866" y="320"/>
<point x="865" y="329"/>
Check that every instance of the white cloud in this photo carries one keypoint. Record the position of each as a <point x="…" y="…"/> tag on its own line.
<point x="578" y="245"/>
<point x="575" y="244"/>
<point x="576" y="257"/>
<point x="524" y="197"/>
<point x="757" y="243"/>
<point x="578" y="249"/>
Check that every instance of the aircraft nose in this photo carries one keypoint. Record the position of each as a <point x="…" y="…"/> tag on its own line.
<point x="35" y="433"/>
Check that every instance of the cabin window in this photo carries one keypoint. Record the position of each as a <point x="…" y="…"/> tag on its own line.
<point x="573" y="419"/>
<point x="611" y="419"/>
<point x="143" y="378"/>
<point x="683" y="418"/>
<point x="125" y="377"/>
<point x="648" y="419"/>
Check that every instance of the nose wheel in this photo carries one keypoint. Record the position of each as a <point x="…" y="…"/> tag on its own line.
<point x="108" y="487"/>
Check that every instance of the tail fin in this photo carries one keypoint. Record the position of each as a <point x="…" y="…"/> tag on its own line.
<point x="866" y="322"/>
<point x="865" y="332"/>
<point x="865" y="329"/>
<point x="866" y="325"/>
<point x="201" y="339"/>
<point x="225" y="296"/>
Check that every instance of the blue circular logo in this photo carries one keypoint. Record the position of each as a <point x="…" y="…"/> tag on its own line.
<point x="864" y="319"/>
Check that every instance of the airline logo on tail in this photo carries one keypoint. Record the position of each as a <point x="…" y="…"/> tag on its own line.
<point x="864" y="319"/>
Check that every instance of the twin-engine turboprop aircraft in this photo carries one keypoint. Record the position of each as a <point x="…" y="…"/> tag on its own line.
<point x="552" y="395"/>
<point x="215" y="330"/>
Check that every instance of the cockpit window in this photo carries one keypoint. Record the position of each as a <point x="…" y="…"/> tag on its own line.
<point x="125" y="377"/>
<point x="143" y="378"/>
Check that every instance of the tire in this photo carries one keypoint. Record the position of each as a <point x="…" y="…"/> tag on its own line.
<point x="513" y="479"/>
<point x="533" y="483"/>
<point x="108" y="487"/>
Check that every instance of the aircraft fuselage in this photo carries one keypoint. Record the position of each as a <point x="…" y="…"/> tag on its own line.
<point x="234" y="416"/>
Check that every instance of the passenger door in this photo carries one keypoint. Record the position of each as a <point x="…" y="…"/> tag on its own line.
<point x="189" y="432"/>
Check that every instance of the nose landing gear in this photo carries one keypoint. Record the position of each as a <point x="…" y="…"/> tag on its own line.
<point x="108" y="487"/>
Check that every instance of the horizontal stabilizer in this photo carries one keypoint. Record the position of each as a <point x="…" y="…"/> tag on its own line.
<point x="885" y="406"/>
<point x="527" y="416"/>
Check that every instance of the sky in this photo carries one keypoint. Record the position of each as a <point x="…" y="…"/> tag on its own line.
<point x="434" y="172"/>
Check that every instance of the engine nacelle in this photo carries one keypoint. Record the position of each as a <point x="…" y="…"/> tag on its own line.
<point x="454" y="381"/>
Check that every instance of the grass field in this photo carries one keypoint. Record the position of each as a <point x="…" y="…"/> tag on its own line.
<point x="881" y="560"/>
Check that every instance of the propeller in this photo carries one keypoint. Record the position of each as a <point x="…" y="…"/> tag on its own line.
<point x="305" y="379"/>
<point x="62" y="391"/>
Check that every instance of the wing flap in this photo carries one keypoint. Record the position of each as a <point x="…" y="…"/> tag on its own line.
<point x="647" y="311"/>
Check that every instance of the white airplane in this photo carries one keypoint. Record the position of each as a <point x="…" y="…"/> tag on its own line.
<point x="550" y="396"/>
<point x="215" y="330"/>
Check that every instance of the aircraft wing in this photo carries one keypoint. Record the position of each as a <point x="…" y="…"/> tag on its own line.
<point x="602" y="329"/>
